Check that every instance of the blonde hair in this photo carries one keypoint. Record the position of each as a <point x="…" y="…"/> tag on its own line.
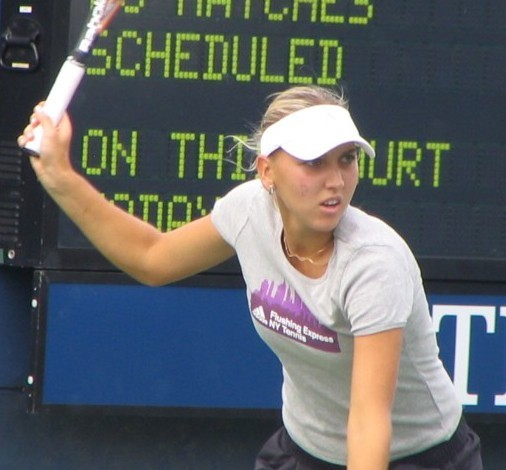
<point x="295" y="99"/>
<point x="284" y="103"/>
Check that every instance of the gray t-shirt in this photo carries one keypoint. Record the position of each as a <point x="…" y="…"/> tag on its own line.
<point x="372" y="284"/>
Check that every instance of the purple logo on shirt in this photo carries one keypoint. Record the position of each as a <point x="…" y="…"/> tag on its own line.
<point x="282" y="311"/>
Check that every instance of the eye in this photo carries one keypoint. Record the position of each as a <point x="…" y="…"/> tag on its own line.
<point x="349" y="157"/>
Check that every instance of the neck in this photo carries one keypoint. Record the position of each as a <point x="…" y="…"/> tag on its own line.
<point x="317" y="257"/>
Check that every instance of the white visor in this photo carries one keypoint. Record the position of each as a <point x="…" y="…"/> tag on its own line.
<point x="311" y="132"/>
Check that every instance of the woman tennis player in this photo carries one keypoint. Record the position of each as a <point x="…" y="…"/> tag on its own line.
<point x="335" y="292"/>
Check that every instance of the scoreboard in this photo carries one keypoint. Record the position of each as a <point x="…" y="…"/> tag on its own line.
<point x="172" y="83"/>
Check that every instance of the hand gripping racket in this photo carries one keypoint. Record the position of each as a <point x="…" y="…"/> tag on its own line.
<point x="72" y="71"/>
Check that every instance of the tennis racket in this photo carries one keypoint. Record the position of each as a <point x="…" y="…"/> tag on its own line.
<point x="73" y="69"/>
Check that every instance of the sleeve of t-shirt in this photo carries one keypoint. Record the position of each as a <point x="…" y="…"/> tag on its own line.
<point x="377" y="290"/>
<point x="230" y="212"/>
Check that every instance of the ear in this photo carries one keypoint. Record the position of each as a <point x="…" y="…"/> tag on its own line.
<point x="265" y="171"/>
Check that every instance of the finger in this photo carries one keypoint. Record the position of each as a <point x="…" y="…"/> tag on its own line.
<point x="34" y="120"/>
<point x="23" y="140"/>
<point x="47" y="124"/>
<point x="39" y="116"/>
<point x="26" y="136"/>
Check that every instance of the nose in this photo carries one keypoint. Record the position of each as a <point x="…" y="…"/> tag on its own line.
<point x="335" y="176"/>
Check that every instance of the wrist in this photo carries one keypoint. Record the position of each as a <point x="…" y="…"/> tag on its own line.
<point x="57" y="179"/>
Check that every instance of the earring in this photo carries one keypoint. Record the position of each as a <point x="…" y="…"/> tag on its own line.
<point x="271" y="190"/>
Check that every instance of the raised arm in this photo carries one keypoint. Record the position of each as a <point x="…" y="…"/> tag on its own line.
<point x="134" y="246"/>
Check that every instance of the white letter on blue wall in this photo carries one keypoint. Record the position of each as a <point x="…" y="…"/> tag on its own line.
<point x="500" y="400"/>
<point x="463" y="315"/>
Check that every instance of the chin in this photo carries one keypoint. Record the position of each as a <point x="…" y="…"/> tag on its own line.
<point x="328" y="226"/>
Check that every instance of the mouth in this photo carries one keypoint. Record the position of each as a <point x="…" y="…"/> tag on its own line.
<point x="331" y="203"/>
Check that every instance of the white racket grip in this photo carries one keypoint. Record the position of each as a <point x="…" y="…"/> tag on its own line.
<point x="62" y="91"/>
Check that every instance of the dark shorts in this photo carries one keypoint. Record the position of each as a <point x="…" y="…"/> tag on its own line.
<point x="461" y="452"/>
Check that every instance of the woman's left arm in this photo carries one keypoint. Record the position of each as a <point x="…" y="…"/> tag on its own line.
<point x="373" y="383"/>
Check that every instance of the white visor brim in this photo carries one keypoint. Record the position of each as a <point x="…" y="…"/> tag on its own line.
<point x="311" y="132"/>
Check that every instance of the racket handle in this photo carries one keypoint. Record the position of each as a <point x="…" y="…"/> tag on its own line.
<point x="59" y="98"/>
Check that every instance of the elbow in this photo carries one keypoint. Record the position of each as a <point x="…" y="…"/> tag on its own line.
<point x="146" y="272"/>
<point x="149" y="279"/>
<point x="146" y="277"/>
<point x="149" y="282"/>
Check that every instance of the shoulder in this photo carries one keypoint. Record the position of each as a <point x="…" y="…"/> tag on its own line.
<point x="372" y="247"/>
<point x="247" y="201"/>
<point x="360" y="232"/>
<point x="240" y="199"/>
<point x="242" y="192"/>
<point x="359" y="228"/>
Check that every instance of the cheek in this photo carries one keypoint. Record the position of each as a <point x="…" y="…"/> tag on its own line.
<point x="353" y="181"/>
<point x="303" y="190"/>
<point x="306" y="186"/>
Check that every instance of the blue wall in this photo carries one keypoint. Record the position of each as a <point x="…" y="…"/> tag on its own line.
<point x="83" y="441"/>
